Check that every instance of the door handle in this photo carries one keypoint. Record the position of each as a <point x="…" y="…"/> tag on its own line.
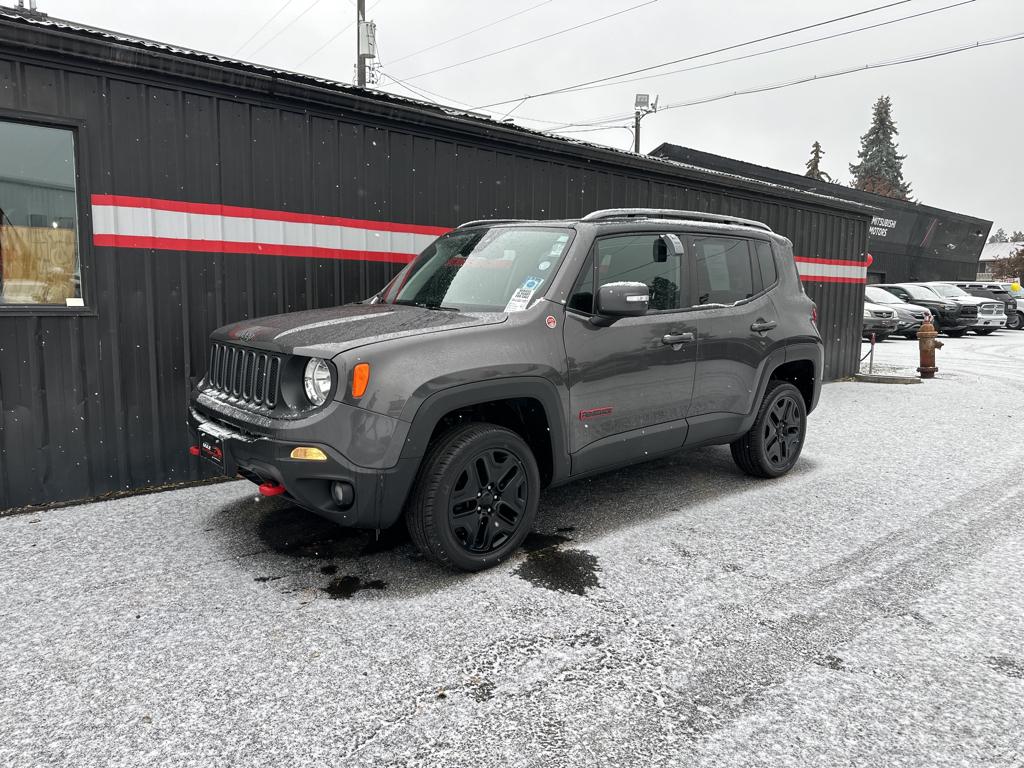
<point x="676" y="338"/>
<point x="763" y="325"/>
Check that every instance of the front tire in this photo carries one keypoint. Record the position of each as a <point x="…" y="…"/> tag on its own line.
<point x="475" y="498"/>
<point x="775" y="440"/>
<point x="1015" y="321"/>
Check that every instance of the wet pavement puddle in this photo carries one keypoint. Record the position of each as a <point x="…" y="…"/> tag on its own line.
<point x="549" y="566"/>
<point x="344" y="587"/>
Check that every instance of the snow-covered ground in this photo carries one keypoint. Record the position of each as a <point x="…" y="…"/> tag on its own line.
<point x="868" y="609"/>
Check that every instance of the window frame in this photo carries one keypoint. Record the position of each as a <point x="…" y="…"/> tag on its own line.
<point x="685" y="295"/>
<point x="752" y="258"/>
<point x="83" y="229"/>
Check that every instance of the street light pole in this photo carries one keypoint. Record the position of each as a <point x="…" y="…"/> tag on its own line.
<point x="643" y="107"/>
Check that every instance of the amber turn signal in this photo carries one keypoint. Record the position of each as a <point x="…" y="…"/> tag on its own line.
<point x="308" y="454"/>
<point x="360" y="379"/>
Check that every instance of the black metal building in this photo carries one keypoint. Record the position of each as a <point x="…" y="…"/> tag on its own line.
<point x="150" y="194"/>
<point x="908" y="241"/>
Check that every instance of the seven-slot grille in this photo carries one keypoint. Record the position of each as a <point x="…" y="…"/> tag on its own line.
<point x="245" y="374"/>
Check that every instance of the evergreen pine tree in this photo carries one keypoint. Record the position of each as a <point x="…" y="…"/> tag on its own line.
<point x="880" y="169"/>
<point x="814" y="164"/>
<point x="1017" y="237"/>
<point x="999" y="236"/>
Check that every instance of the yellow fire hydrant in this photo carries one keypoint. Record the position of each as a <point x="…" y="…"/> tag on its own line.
<point x="927" y="342"/>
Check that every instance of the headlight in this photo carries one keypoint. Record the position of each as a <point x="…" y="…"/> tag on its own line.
<point x="867" y="313"/>
<point x="317" y="381"/>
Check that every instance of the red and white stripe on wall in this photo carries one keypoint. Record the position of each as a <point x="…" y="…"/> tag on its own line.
<point x="119" y="221"/>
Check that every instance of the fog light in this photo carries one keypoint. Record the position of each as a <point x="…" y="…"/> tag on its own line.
<point x="308" y="454"/>
<point x="344" y="494"/>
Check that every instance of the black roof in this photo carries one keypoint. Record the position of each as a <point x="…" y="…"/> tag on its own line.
<point x="729" y="165"/>
<point x="71" y="41"/>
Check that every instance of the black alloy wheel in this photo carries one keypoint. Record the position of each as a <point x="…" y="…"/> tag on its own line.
<point x="475" y="498"/>
<point x="773" y="444"/>
<point x="488" y="501"/>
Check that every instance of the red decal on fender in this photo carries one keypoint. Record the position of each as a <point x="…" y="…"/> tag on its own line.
<point x="591" y="413"/>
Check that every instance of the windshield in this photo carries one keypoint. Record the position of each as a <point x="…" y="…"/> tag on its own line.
<point x="948" y="291"/>
<point x="1017" y="294"/>
<point x="495" y="269"/>
<point x="881" y="296"/>
<point x="920" y="292"/>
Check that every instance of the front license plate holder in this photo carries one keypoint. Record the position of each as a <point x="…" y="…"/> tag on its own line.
<point x="211" y="448"/>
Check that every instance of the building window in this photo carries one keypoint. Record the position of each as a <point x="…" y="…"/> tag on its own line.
<point x="39" y="260"/>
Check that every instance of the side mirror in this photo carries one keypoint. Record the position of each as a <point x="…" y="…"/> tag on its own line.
<point x="623" y="300"/>
<point x="665" y="245"/>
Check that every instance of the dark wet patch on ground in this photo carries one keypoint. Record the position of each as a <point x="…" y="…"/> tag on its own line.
<point x="560" y="570"/>
<point x="297" y="533"/>
<point x="329" y="570"/>
<point x="263" y="579"/>
<point x="830" y="662"/>
<point x="1007" y="665"/>
<point x="344" y="587"/>
<point x="535" y="541"/>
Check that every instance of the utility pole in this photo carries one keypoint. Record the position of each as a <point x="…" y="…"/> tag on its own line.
<point x="643" y="106"/>
<point x="366" y="42"/>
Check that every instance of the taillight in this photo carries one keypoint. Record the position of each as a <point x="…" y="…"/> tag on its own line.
<point x="814" y="315"/>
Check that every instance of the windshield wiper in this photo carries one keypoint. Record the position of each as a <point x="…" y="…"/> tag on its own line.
<point x="424" y="305"/>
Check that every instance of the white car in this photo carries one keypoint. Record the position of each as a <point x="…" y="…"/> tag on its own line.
<point x="989" y="315"/>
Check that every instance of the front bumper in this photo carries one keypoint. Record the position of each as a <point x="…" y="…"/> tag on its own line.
<point x="379" y="494"/>
<point x="909" y="326"/>
<point x="990" y="321"/>
<point x="879" y="325"/>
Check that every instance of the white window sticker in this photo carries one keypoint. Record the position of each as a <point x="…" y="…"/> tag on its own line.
<point x="543" y="266"/>
<point x="520" y="300"/>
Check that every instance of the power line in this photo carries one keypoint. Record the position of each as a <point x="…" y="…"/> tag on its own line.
<point x="780" y="48"/>
<point x="471" y="32"/>
<point x="286" y="27"/>
<point x="577" y="86"/>
<point x="807" y="79"/>
<point x="263" y="26"/>
<point x="337" y="35"/>
<point x="536" y="40"/>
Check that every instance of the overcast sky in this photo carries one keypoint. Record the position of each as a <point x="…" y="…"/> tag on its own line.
<point x="960" y="117"/>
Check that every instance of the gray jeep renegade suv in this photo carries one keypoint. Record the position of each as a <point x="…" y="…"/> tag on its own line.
<point x="514" y="355"/>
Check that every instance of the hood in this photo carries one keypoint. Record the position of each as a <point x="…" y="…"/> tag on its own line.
<point x="328" y="332"/>
<point x="880" y="308"/>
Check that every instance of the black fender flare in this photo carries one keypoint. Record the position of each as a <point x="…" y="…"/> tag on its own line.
<point x="437" y="405"/>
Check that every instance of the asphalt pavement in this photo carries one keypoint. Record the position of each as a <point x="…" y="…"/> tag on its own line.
<point x="867" y="609"/>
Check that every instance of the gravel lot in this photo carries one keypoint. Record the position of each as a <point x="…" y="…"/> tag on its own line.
<point x="868" y="609"/>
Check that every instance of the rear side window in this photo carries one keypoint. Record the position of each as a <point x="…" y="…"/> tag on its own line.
<point x="725" y="273"/>
<point x="633" y="258"/>
<point x="765" y="262"/>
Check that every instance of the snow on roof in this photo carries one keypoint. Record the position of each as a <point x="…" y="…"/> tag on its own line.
<point x="993" y="251"/>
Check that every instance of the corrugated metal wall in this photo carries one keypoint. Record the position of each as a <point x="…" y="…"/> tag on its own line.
<point x="96" y="403"/>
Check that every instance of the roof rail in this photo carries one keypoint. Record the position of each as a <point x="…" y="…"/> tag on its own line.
<point x="478" y="222"/>
<point x="669" y="213"/>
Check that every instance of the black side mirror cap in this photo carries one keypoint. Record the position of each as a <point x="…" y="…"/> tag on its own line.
<point x="623" y="300"/>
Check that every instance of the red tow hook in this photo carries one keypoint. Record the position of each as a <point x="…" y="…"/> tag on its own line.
<point x="194" y="450"/>
<point x="271" y="489"/>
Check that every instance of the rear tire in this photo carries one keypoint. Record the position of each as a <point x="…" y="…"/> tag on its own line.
<point x="776" y="438"/>
<point x="475" y="498"/>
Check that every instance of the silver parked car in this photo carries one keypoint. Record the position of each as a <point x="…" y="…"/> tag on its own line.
<point x="910" y="317"/>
